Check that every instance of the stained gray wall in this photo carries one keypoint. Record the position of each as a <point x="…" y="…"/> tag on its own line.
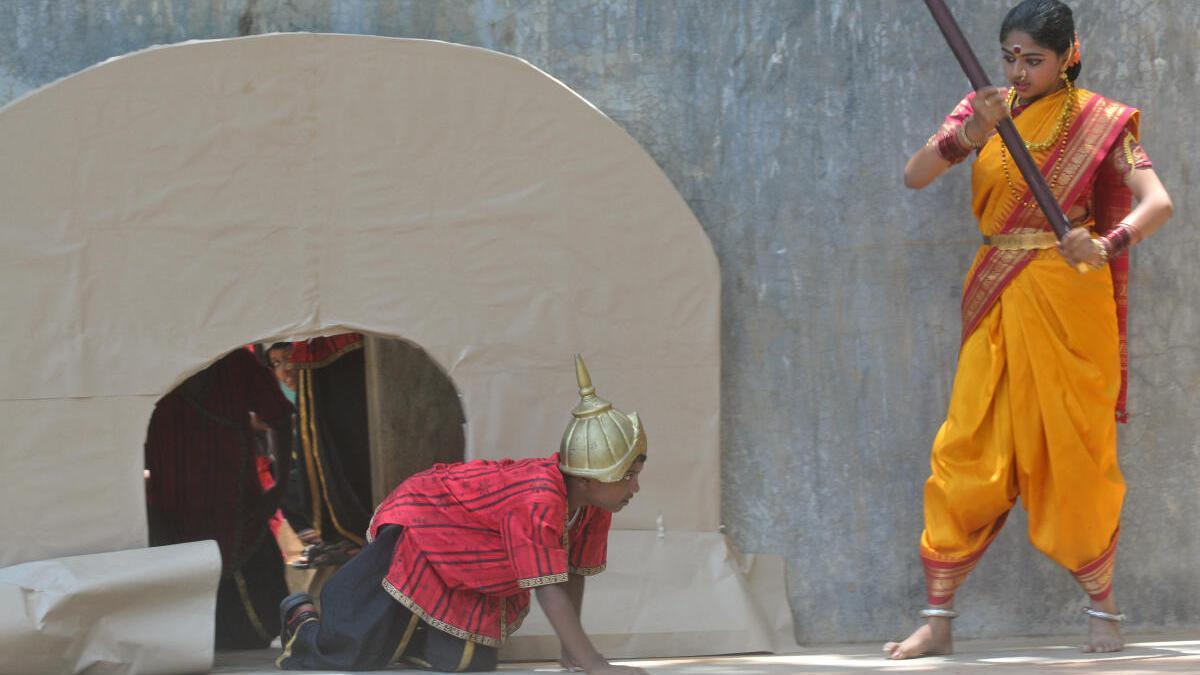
<point x="785" y="125"/>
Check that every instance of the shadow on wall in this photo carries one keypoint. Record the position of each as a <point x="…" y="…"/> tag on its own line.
<point x="279" y="451"/>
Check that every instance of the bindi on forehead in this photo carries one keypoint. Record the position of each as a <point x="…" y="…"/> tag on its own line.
<point x="1020" y="50"/>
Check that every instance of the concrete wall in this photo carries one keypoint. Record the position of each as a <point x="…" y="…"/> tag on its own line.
<point x="785" y="125"/>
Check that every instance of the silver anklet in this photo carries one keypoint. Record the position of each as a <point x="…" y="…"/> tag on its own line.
<point x="939" y="613"/>
<point x="1097" y="614"/>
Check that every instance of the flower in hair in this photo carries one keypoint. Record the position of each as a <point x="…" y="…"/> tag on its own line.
<point x="1075" y="53"/>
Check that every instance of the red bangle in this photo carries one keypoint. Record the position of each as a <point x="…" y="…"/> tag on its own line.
<point x="1118" y="240"/>
<point x="949" y="147"/>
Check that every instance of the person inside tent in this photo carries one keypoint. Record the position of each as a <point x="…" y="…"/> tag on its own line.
<point x="203" y="483"/>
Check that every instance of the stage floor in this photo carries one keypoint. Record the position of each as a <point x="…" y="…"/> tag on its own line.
<point x="1144" y="654"/>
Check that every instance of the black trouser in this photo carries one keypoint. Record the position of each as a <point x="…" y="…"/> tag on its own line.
<point x="363" y="628"/>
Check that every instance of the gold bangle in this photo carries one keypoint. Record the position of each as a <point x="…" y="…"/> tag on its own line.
<point x="1102" y="249"/>
<point x="964" y="140"/>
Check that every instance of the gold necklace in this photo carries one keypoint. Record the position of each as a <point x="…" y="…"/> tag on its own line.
<point x="1063" y="118"/>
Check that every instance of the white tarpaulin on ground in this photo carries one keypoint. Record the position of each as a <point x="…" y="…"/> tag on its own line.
<point x="142" y="610"/>
<point x="165" y="207"/>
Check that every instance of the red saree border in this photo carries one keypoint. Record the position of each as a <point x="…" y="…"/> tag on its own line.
<point x="1096" y="577"/>
<point x="943" y="574"/>
<point x="1088" y="149"/>
<point x="989" y="279"/>
<point x="942" y="579"/>
<point x="1113" y="200"/>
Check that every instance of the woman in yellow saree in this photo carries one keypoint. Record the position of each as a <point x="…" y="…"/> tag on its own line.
<point x="1043" y="364"/>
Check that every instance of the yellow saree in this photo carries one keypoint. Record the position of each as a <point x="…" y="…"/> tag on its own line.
<point x="1039" y="375"/>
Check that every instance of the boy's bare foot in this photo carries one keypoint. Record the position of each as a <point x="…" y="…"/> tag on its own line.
<point x="568" y="663"/>
<point x="934" y="638"/>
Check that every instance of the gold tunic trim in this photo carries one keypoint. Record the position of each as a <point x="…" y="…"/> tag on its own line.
<point x="534" y="582"/>
<point x="588" y="571"/>
<point x="442" y="625"/>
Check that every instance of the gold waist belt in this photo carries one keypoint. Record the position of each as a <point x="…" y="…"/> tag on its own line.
<point x="1021" y="241"/>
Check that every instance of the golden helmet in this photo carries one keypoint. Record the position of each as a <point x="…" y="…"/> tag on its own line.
<point x="601" y="442"/>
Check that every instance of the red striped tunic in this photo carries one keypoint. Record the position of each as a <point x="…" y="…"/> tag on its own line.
<point x="478" y="536"/>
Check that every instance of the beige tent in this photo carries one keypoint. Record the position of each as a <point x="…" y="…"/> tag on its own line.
<point x="452" y="196"/>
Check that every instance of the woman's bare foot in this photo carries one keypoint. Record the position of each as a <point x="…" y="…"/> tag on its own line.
<point x="1104" y="636"/>
<point x="932" y="639"/>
